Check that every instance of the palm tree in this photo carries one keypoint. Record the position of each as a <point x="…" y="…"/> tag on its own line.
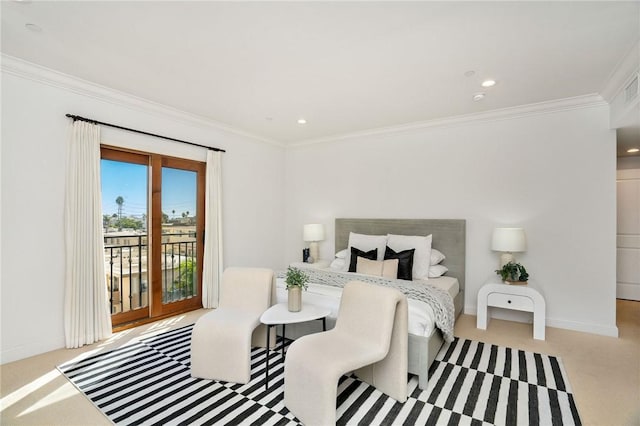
<point x="119" y="202"/>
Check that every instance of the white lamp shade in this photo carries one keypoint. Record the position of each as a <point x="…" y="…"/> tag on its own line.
<point x="313" y="232"/>
<point x="509" y="240"/>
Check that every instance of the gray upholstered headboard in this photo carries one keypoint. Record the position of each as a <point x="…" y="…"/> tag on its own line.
<point x="449" y="236"/>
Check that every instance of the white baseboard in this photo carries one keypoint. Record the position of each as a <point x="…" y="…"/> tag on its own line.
<point x="26" y="351"/>
<point x="525" y="317"/>
<point x="628" y="291"/>
<point x="603" y="330"/>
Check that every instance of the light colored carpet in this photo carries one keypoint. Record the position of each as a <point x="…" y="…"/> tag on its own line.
<point x="604" y="371"/>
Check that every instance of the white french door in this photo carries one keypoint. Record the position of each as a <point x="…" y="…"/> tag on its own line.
<point x="628" y="234"/>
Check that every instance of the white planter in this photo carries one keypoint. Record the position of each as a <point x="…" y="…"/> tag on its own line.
<point x="294" y="299"/>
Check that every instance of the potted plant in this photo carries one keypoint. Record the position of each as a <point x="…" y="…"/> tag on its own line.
<point x="296" y="281"/>
<point x="513" y="273"/>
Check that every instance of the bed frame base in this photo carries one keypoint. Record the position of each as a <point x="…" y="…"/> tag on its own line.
<point x="423" y="350"/>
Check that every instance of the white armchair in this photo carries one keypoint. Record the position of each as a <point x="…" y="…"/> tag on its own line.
<point x="221" y="339"/>
<point x="370" y="337"/>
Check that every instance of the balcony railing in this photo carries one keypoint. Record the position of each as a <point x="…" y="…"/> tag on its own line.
<point x="126" y="259"/>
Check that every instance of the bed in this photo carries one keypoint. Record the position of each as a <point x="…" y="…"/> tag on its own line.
<point x="449" y="237"/>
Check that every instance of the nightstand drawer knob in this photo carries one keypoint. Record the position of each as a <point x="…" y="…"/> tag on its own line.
<point x="508" y="301"/>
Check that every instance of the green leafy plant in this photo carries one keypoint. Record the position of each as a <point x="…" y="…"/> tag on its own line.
<point x="513" y="272"/>
<point x="296" y="278"/>
<point x="184" y="281"/>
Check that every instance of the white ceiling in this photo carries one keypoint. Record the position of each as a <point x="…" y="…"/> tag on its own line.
<point x="344" y="66"/>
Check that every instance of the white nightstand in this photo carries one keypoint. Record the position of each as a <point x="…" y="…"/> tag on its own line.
<point x="317" y="264"/>
<point x="516" y="297"/>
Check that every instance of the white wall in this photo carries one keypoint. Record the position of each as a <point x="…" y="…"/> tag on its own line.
<point x="553" y="174"/>
<point x="34" y="134"/>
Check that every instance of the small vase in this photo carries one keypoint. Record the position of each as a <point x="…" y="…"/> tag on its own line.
<point x="294" y="299"/>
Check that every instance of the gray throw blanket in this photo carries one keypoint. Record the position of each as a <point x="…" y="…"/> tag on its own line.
<point x="438" y="299"/>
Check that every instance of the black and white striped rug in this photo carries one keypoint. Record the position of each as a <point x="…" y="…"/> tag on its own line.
<point x="471" y="383"/>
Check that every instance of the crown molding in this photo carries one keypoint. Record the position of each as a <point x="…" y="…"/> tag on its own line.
<point x="548" y="107"/>
<point x="40" y="74"/>
<point x="622" y="74"/>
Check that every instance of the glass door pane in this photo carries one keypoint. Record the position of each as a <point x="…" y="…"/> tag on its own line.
<point x="179" y="230"/>
<point x="124" y="217"/>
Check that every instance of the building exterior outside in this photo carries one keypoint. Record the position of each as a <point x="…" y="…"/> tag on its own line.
<point x="126" y="265"/>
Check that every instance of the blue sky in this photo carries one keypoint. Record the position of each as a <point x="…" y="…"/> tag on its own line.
<point x="130" y="181"/>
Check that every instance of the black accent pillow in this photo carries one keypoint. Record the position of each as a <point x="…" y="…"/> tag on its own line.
<point x="371" y="255"/>
<point x="405" y="262"/>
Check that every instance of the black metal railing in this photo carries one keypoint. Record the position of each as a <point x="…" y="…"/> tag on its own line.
<point x="179" y="272"/>
<point x="126" y="258"/>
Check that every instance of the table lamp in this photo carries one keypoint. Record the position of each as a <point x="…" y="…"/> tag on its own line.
<point x="508" y="241"/>
<point x="313" y="233"/>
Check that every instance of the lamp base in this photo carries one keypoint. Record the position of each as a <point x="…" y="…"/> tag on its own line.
<point x="506" y="258"/>
<point x="314" y="251"/>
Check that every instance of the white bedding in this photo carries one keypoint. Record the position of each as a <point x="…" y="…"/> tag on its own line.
<point x="421" y="315"/>
<point x="448" y="284"/>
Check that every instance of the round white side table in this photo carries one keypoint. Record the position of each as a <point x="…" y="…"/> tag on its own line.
<point x="279" y="315"/>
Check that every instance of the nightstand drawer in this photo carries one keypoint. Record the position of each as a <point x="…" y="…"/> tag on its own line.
<point x="510" y="301"/>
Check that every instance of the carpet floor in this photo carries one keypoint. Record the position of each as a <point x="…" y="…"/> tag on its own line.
<point x="471" y="383"/>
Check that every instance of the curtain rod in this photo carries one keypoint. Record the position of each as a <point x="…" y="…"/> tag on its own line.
<point x="90" y="120"/>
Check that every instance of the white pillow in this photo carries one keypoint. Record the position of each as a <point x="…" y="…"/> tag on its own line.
<point x="436" y="271"/>
<point x="380" y="268"/>
<point x="436" y="256"/>
<point x="342" y="254"/>
<point x="365" y="243"/>
<point x="337" y="264"/>
<point x="422" y="255"/>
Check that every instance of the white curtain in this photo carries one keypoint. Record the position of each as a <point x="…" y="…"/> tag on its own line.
<point x="212" y="267"/>
<point x="87" y="318"/>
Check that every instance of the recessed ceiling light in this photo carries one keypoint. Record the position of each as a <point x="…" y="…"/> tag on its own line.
<point x="33" y="27"/>
<point x="632" y="150"/>
<point x="478" y="97"/>
<point x="470" y="73"/>
<point x="488" y="83"/>
<point x="302" y="121"/>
